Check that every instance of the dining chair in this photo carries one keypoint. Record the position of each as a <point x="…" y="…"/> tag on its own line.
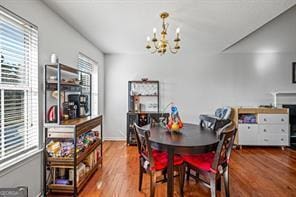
<point x="212" y="123"/>
<point x="214" y="165"/>
<point x="152" y="161"/>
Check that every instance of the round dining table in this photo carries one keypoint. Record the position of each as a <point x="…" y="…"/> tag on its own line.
<point x="192" y="139"/>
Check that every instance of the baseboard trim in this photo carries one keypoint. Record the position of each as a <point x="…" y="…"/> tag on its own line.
<point x="114" y="139"/>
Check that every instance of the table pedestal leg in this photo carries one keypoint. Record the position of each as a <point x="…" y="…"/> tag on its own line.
<point x="170" y="186"/>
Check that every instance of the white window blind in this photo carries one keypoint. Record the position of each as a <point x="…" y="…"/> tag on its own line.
<point x="88" y="65"/>
<point x="18" y="86"/>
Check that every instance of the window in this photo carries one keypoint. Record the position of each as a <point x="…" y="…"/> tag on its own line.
<point x="18" y="87"/>
<point x="88" y="65"/>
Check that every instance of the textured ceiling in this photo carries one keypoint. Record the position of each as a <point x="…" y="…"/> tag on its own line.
<point x="121" y="26"/>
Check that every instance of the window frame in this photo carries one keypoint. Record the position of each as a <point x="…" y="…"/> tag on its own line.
<point x="95" y="86"/>
<point x="30" y="88"/>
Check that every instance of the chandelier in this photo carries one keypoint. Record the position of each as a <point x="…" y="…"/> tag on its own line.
<point x="162" y="45"/>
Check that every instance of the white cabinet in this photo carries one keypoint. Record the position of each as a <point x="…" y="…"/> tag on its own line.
<point x="274" y="129"/>
<point x="270" y="130"/>
<point x="248" y="134"/>
<point x="273" y="119"/>
<point x="273" y="140"/>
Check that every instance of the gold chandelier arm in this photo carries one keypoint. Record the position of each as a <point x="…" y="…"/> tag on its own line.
<point x="152" y="52"/>
<point x="155" y="45"/>
<point x="166" y="28"/>
<point x="171" y="50"/>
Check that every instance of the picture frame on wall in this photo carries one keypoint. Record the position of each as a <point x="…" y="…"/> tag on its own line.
<point x="294" y="72"/>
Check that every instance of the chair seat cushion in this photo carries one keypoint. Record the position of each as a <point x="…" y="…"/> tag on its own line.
<point x="200" y="161"/>
<point x="161" y="160"/>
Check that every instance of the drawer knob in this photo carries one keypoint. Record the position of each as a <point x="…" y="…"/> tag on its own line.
<point x="264" y="130"/>
<point x="266" y="140"/>
<point x="265" y="119"/>
<point x="249" y="127"/>
<point x="282" y="120"/>
<point x="282" y="139"/>
<point x="283" y="130"/>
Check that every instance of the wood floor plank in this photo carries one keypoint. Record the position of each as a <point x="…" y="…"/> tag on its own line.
<point x="254" y="172"/>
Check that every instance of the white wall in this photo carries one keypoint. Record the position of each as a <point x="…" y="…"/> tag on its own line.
<point x="55" y="36"/>
<point x="196" y="84"/>
<point x="242" y="76"/>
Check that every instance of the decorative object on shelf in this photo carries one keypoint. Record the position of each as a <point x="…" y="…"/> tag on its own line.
<point x="53" y="78"/>
<point x="73" y="81"/>
<point x="137" y="105"/>
<point x="54" y="59"/>
<point x="163" y="45"/>
<point x="52" y="115"/>
<point x="55" y="95"/>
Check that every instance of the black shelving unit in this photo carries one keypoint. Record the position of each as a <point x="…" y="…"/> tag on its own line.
<point x="58" y="80"/>
<point x="138" y="112"/>
<point x="62" y="87"/>
<point x="142" y="119"/>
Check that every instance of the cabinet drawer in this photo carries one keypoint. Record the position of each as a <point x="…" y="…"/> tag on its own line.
<point x="282" y="129"/>
<point x="247" y="134"/>
<point x="273" y="118"/>
<point x="273" y="140"/>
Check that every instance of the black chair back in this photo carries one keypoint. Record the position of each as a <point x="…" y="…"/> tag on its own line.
<point x="224" y="147"/>
<point x="143" y="143"/>
<point x="212" y="122"/>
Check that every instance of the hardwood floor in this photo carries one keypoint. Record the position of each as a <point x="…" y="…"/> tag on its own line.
<point x="253" y="172"/>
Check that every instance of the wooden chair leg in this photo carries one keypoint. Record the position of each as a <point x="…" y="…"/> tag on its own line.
<point x="213" y="185"/>
<point x="140" y="177"/>
<point x="181" y="179"/>
<point x="196" y="176"/>
<point x="226" y="181"/>
<point x="218" y="184"/>
<point x="187" y="173"/>
<point x="152" y="183"/>
<point x="164" y="173"/>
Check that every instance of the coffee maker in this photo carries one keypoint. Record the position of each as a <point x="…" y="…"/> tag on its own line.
<point x="81" y="101"/>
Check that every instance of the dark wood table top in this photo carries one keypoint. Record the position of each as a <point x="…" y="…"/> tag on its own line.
<point x="191" y="139"/>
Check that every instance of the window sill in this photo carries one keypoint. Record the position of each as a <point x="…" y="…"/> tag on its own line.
<point x="17" y="162"/>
